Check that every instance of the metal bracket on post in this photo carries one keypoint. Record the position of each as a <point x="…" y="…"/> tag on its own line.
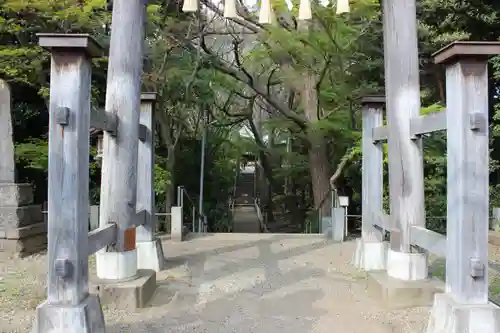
<point x="111" y="124"/>
<point x="476" y="268"/>
<point x="477" y="122"/>
<point x="62" y="116"/>
<point x="63" y="268"/>
<point x="143" y="133"/>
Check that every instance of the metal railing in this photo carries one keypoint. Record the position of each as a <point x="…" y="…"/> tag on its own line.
<point x="198" y="220"/>
<point x="260" y="217"/>
<point x="233" y="195"/>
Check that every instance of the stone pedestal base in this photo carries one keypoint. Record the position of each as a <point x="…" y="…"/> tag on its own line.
<point x="22" y="228"/>
<point x="370" y="255"/>
<point x="448" y="316"/>
<point x="407" y="266"/>
<point x="150" y="255"/>
<point x="86" y="317"/>
<point x="399" y="294"/>
<point x="116" y="266"/>
<point x="129" y="295"/>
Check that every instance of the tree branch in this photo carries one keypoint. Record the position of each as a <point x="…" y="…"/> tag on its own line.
<point x="348" y="156"/>
<point x="254" y="85"/>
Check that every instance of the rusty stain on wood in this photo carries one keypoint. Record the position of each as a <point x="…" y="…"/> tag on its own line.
<point x="129" y="239"/>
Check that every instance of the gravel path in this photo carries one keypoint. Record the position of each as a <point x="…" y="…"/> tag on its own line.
<point x="233" y="283"/>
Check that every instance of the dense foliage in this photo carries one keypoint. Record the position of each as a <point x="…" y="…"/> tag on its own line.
<point x="293" y="86"/>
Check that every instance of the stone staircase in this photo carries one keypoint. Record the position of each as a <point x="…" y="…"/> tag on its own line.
<point x="283" y="226"/>
<point x="245" y="218"/>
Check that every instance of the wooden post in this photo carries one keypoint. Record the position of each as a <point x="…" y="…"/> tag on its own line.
<point x="371" y="249"/>
<point x="464" y="307"/>
<point x="406" y="175"/>
<point x="94" y="217"/>
<point x="149" y="249"/>
<point x="119" y="161"/>
<point x="495" y="220"/>
<point x="145" y="168"/>
<point x="468" y="169"/>
<point x="372" y="168"/>
<point x="68" y="187"/>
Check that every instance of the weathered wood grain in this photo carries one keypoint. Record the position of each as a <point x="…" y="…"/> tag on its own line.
<point x="467" y="180"/>
<point x="373" y="173"/>
<point x="428" y="123"/>
<point x="68" y="177"/>
<point x="406" y="179"/>
<point x="94" y="217"/>
<point x="145" y="170"/>
<point x="101" y="237"/>
<point x="429" y="240"/>
<point x="119" y="161"/>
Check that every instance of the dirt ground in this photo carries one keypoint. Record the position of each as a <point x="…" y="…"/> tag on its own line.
<point x="196" y="271"/>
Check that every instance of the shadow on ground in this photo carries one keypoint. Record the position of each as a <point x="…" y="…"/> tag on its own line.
<point x="214" y="290"/>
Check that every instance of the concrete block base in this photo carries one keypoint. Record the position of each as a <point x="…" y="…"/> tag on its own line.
<point x="407" y="266"/>
<point x="397" y="294"/>
<point x="116" y="266"/>
<point x="370" y="255"/>
<point x="86" y="317"/>
<point x="448" y="316"/>
<point x="129" y="295"/>
<point x="150" y="255"/>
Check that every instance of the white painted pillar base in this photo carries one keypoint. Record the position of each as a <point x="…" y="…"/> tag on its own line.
<point x="407" y="266"/>
<point x="118" y="266"/>
<point x="150" y="255"/>
<point x="370" y="255"/>
<point x="449" y="316"/>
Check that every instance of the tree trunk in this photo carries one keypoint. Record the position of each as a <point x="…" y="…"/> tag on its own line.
<point x="170" y="186"/>
<point x="320" y="175"/>
<point x="318" y="147"/>
<point x="166" y="134"/>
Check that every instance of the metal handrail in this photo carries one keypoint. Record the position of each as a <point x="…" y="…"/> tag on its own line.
<point x="196" y="214"/>
<point x="233" y="194"/>
<point x="260" y="217"/>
